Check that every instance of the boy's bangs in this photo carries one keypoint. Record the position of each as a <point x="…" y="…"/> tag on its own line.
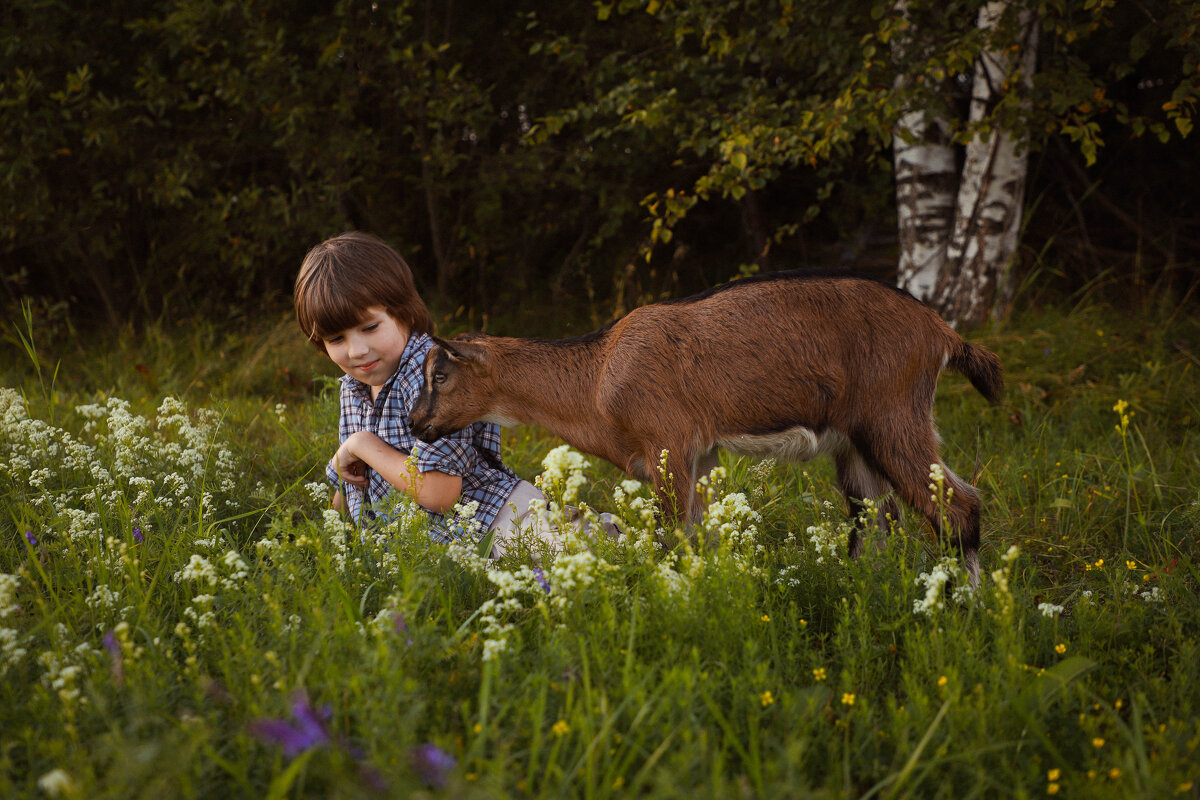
<point x="332" y="309"/>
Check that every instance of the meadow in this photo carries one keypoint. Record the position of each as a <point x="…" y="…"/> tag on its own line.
<point x="181" y="615"/>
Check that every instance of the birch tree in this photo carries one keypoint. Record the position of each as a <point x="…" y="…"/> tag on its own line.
<point x="958" y="227"/>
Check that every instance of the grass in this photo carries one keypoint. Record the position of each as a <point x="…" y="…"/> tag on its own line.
<point x="179" y="616"/>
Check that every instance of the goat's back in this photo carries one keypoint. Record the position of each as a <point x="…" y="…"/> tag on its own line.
<point x="776" y="351"/>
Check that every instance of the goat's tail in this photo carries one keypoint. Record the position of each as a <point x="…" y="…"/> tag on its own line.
<point x="981" y="367"/>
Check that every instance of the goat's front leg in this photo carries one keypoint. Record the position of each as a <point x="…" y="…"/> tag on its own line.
<point x="675" y="486"/>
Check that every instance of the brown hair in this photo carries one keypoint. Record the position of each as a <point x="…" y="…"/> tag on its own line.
<point x="344" y="276"/>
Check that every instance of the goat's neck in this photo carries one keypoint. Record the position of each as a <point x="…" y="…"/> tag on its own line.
<point x="549" y="383"/>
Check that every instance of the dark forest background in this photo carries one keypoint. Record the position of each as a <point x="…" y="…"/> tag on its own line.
<point x="164" y="160"/>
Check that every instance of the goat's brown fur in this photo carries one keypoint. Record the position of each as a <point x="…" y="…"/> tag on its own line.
<point x="785" y="364"/>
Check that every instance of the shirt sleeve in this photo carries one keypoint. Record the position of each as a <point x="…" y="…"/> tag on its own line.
<point x="453" y="454"/>
<point x="345" y="428"/>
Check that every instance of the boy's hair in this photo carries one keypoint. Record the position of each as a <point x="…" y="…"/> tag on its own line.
<point x="344" y="276"/>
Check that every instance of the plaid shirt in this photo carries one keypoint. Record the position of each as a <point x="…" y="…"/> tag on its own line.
<point x="472" y="453"/>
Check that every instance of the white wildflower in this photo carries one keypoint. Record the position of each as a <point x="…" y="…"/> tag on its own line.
<point x="733" y="519"/>
<point x="935" y="586"/>
<point x="57" y="782"/>
<point x="198" y="569"/>
<point x="103" y="598"/>
<point x="826" y="539"/>
<point x="11" y="651"/>
<point x="1050" y="609"/>
<point x="319" y="492"/>
<point x="8" y="593"/>
<point x="562" y="473"/>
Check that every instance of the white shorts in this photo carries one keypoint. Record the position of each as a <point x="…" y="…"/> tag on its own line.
<point x="517" y="519"/>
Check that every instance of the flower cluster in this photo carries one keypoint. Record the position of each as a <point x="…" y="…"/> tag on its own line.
<point x="828" y="539"/>
<point x="733" y="520"/>
<point x="11" y="651"/>
<point x="945" y="570"/>
<point x="562" y="474"/>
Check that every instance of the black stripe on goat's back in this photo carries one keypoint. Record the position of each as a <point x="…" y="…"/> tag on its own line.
<point x="822" y="274"/>
<point x="582" y="338"/>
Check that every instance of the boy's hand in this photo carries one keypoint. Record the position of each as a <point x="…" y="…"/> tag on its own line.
<point x="351" y="468"/>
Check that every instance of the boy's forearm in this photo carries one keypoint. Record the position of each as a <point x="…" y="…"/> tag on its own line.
<point x="433" y="490"/>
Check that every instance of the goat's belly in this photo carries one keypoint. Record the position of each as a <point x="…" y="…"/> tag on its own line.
<point x="793" y="444"/>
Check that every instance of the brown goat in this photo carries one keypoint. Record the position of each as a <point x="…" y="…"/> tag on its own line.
<point x="790" y="365"/>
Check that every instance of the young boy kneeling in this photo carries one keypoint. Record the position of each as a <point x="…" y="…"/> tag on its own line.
<point x="356" y="301"/>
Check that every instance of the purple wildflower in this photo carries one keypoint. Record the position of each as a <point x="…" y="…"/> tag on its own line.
<point x="113" y="646"/>
<point x="541" y="579"/>
<point x="401" y="626"/>
<point x="432" y="764"/>
<point x="29" y="537"/>
<point x="137" y="535"/>
<point x="304" y="731"/>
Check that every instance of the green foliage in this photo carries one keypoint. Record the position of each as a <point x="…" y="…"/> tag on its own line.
<point x="168" y="158"/>
<point x="149" y="622"/>
<point x="742" y="97"/>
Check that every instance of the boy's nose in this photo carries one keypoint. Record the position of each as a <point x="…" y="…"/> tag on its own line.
<point x="358" y="346"/>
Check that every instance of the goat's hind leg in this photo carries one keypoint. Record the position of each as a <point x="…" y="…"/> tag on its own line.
<point x="907" y="461"/>
<point x="861" y="483"/>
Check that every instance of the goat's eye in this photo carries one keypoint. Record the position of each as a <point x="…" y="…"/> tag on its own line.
<point x="439" y="377"/>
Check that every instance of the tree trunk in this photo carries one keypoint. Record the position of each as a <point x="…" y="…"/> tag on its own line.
<point x="957" y="256"/>
<point x="926" y="179"/>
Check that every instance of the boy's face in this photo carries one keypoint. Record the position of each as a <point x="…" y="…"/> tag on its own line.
<point x="369" y="351"/>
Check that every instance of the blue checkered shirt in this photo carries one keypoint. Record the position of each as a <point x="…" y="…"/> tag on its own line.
<point x="472" y="453"/>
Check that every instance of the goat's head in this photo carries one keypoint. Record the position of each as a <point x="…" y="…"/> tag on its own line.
<point x="457" y="391"/>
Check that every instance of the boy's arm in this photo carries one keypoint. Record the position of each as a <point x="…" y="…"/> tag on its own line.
<point x="432" y="490"/>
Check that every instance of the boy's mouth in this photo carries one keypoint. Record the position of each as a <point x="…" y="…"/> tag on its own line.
<point x="370" y="365"/>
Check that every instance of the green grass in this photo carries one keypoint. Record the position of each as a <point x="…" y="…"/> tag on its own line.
<point x="765" y="666"/>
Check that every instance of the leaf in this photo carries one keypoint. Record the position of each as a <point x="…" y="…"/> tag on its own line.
<point x="1062" y="502"/>
<point x="738" y="160"/>
<point x="1185" y="126"/>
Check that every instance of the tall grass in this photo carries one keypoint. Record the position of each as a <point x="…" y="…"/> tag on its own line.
<point x="181" y="615"/>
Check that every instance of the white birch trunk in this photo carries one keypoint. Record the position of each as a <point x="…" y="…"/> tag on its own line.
<point x="958" y="232"/>
<point x="987" y="219"/>
<point x="926" y="182"/>
<point x="926" y="179"/>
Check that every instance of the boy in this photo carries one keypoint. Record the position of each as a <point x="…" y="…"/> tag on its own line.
<point x="356" y="301"/>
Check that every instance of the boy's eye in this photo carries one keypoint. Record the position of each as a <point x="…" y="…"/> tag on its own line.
<point x="333" y="339"/>
<point x="371" y="327"/>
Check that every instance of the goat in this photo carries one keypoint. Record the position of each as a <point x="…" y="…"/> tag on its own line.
<point x="789" y="364"/>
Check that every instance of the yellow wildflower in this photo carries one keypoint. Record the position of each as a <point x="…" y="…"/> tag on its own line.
<point x="561" y="727"/>
<point x="1120" y="407"/>
<point x="1053" y="774"/>
<point x="1060" y="648"/>
<point x="766" y="698"/>
<point x="1097" y="742"/>
<point x="942" y="680"/>
<point x="766" y="618"/>
<point x="1114" y="773"/>
<point x="1052" y="788"/>
<point x="848" y="699"/>
<point x="819" y="673"/>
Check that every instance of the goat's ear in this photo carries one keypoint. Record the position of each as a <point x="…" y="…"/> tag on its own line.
<point x="457" y="351"/>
